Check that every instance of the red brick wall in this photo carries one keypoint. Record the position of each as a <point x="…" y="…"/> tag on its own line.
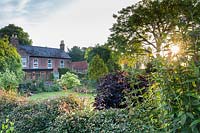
<point x="43" y="62"/>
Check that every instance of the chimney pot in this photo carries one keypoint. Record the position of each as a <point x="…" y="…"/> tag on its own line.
<point x="62" y="45"/>
<point x="14" y="40"/>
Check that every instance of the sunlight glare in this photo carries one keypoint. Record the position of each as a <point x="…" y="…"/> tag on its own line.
<point x="174" y="49"/>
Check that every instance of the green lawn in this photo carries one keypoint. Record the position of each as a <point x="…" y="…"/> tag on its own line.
<point x="51" y="95"/>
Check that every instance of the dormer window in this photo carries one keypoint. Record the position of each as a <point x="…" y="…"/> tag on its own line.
<point x="35" y="63"/>
<point x="62" y="64"/>
<point x="49" y="65"/>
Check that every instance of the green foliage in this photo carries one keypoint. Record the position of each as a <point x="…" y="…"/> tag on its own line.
<point x="10" y="64"/>
<point x="106" y="55"/>
<point x="10" y="59"/>
<point x="38" y="87"/>
<point x="97" y="68"/>
<point x="37" y="117"/>
<point x="8" y="80"/>
<point x="153" y="23"/>
<point x="100" y="121"/>
<point x="9" y="100"/>
<point x="179" y="95"/>
<point x="69" y="80"/>
<point x="172" y="102"/>
<point x="62" y="71"/>
<point x="76" y="53"/>
<point x="11" y="29"/>
<point x="7" y="127"/>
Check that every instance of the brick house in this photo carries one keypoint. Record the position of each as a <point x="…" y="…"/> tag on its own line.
<point x="80" y="67"/>
<point x="42" y="62"/>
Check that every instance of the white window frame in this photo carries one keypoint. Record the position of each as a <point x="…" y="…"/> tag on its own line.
<point x="24" y="61"/>
<point x="49" y="64"/>
<point x="35" y="63"/>
<point x="62" y="64"/>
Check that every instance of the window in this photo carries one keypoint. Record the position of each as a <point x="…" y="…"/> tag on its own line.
<point x="62" y="64"/>
<point x="24" y="62"/>
<point x="49" y="65"/>
<point x="35" y="63"/>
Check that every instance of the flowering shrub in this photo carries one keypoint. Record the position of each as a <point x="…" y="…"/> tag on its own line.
<point x="69" y="80"/>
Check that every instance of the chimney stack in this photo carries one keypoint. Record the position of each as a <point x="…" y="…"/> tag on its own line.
<point x="62" y="45"/>
<point x="14" y="40"/>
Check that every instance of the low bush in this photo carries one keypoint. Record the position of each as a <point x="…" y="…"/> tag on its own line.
<point x="7" y="126"/>
<point x="9" y="101"/>
<point x="37" y="117"/>
<point x="69" y="80"/>
<point x="38" y="87"/>
<point x="99" y="121"/>
<point x="114" y="89"/>
<point x="83" y="89"/>
<point x="8" y="80"/>
<point x="52" y="88"/>
<point x="62" y="71"/>
<point x="110" y="91"/>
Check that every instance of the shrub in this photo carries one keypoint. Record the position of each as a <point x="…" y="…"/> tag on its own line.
<point x="139" y="83"/>
<point x="7" y="126"/>
<point x="9" y="100"/>
<point x="38" y="86"/>
<point x="69" y="80"/>
<point x="115" y="88"/>
<point x="97" y="68"/>
<point x="82" y="89"/>
<point x="110" y="91"/>
<point x="10" y="60"/>
<point x="37" y="117"/>
<point x="52" y="88"/>
<point x="100" y="121"/>
<point x="8" y="80"/>
<point x="62" y="71"/>
<point x="177" y="88"/>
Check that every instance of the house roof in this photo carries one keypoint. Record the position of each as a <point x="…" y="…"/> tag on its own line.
<point x="36" y="51"/>
<point x="81" y="65"/>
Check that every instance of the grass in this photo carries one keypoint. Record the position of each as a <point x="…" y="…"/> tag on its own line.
<point x="52" y="95"/>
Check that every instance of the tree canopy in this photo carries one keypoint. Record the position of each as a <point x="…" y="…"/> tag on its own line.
<point x="76" y="53"/>
<point x="11" y="30"/>
<point x="105" y="54"/>
<point x="97" y="68"/>
<point x="152" y="24"/>
<point x="9" y="59"/>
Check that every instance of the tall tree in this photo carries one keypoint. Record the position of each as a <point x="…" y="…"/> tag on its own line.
<point x="9" y="58"/>
<point x="11" y="30"/>
<point x="76" y="53"/>
<point x="103" y="52"/>
<point x="151" y="23"/>
<point x="106" y="55"/>
<point x="97" y="68"/>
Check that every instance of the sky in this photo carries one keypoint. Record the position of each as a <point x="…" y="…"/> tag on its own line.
<point x="80" y="23"/>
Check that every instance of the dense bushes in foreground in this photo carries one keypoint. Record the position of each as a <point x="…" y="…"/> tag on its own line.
<point x="100" y="121"/>
<point x="36" y="117"/>
<point x="61" y="115"/>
